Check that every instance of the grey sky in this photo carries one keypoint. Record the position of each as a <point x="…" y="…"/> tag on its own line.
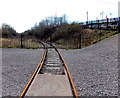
<point x="23" y="14"/>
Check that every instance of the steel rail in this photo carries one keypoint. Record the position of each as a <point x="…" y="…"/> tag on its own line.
<point x="34" y="74"/>
<point x="69" y="76"/>
<point x="68" y="72"/>
<point x="40" y="66"/>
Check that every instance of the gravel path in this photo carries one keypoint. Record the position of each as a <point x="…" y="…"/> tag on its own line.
<point x="17" y="67"/>
<point x="94" y="69"/>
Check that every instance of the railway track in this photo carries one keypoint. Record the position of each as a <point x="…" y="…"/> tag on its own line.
<point x="51" y="77"/>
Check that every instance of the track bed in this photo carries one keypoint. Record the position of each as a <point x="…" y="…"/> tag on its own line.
<point x="51" y="77"/>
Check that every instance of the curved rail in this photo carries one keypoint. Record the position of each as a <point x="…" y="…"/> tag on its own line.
<point x="68" y="72"/>
<point x="33" y="75"/>
<point x="39" y="67"/>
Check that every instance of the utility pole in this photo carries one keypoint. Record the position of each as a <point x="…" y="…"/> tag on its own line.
<point x="102" y="14"/>
<point x="87" y="17"/>
<point x="55" y="17"/>
<point x="110" y="15"/>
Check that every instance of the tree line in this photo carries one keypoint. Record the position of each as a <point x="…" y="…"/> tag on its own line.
<point x="7" y="31"/>
<point x="48" y="29"/>
<point x="54" y="28"/>
<point x="58" y="30"/>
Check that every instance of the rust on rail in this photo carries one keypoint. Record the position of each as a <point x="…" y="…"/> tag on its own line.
<point x="40" y="66"/>
<point x="33" y="75"/>
<point x="69" y="76"/>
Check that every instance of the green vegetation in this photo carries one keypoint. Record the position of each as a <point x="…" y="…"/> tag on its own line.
<point x="7" y="31"/>
<point x="11" y="39"/>
<point x="88" y="37"/>
<point x="56" y="30"/>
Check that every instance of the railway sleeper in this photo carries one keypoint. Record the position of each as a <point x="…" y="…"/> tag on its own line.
<point x="53" y="63"/>
<point x="59" y="70"/>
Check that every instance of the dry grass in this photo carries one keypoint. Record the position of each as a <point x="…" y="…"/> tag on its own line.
<point x="16" y="43"/>
<point x="88" y="38"/>
<point x="10" y="43"/>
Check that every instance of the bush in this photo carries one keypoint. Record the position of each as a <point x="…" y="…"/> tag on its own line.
<point x="8" y="31"/>
<point x="66" y="31"/>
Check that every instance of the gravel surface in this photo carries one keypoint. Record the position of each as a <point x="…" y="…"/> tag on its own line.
<point x="94" y="69"/>
<point x="0" y="72"/>
<point x="17" y="67"/>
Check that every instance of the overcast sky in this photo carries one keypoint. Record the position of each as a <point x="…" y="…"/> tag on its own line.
<point x="23" y="14"/>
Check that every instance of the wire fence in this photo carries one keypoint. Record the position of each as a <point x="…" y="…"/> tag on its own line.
<point x="87" y="38"/>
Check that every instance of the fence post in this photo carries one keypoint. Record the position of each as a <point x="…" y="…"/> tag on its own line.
<point x="98" y="24"/>
<point x="21" y="40"/>
<point x="119" y="25"/>
<point x="114" y="25"/>
<point x="80" y="42"/>
<point x="107" y="23"/>
<point x="91" y="25"/>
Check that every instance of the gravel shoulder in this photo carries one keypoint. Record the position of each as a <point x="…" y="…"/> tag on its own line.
<point x="94" y="69"/>
<point x="17" y="67"/>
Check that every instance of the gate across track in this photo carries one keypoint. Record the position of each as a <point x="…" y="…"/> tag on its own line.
<point x="51" y="77"/>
